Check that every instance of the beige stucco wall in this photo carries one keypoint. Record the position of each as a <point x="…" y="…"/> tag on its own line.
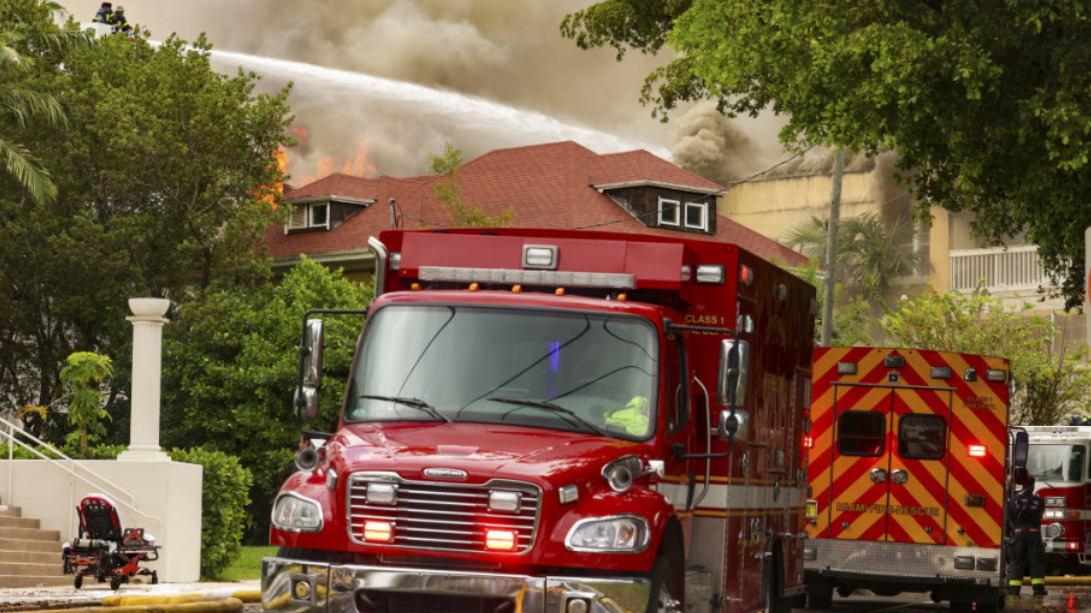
<point x="774" y="207"/>
<point x="168" y="493"/>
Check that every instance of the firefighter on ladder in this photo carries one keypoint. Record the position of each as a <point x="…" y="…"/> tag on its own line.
<point x="1027" y="509"/>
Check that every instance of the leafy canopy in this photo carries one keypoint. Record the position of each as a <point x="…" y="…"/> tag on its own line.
<point x="1050" y="381"/>
<point x="986" y="104"/>
<point x="234" y="366"/>
<point x="164" y="174"/>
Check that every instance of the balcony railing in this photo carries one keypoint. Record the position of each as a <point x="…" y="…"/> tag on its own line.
<point x="1010" y="269"/>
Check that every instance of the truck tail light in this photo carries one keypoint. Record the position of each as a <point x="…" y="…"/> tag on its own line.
<point x="378" y="531"/>
<point x="977" y="451"/>
<point x="808" y="441"/>
<point x="1073" y="545"/>
<point x="500" y="540"/>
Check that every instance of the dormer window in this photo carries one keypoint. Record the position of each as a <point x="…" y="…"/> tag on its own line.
<point x="669" y="212"/>
<point x="697" y="216"/>
<point x="314" y="216"/>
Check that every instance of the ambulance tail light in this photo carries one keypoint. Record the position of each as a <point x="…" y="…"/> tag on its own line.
<point x="808" y="441"/>
<point x="977" y="451"/>
<point x="995" y="374"/>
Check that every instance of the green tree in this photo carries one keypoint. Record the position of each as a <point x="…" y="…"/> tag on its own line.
<point x="84" y="376"/>
<point x="463" y="215"/>
<point x="849" y="320"/>
<point x="234" y="366"/>
<point x="27" y="36"/>
<point x="165" y="179"/>
<point x="987" y="105"/>
<point x="1049" y="384"/>
<point x="870" y="254"/>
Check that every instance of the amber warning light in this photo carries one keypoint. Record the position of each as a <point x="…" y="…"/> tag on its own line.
<point x="500" y="540"/>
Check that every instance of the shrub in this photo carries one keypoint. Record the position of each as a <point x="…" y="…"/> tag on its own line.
<point x="224" y="498"/>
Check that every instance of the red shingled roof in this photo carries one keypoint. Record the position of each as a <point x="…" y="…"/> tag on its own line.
<point x="549" y="186"/>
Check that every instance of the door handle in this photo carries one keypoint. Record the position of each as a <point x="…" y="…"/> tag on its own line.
<point x="878" y="475"/>
<point x="899" y="476"/>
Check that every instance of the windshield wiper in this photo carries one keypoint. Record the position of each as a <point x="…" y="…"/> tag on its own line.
<point x="549" y="406"/>
<point x="416" y="403"/>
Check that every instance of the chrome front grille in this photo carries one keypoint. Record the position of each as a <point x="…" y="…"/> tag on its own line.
<point x="442" y="516"/>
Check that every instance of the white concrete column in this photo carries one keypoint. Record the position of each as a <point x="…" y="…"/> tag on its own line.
<point x="148" y="319"/>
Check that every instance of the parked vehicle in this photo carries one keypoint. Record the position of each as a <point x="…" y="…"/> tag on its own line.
<point x="562" y="421"/>
<point x="910" y="474"/>
<point x="1058" y="460"/>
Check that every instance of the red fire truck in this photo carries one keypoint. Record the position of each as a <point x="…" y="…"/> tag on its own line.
<point x="908" y="471"/>
<point x="556" y="421"/>
<point x="1058" y="461"/>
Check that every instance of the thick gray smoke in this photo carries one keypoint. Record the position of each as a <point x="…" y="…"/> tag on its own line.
<point x="505" y="51"/>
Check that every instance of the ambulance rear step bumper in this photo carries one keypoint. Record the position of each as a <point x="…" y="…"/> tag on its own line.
<point x="903" y="562"/>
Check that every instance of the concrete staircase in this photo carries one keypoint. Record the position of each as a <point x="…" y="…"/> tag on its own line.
<point x="29" y="556"/>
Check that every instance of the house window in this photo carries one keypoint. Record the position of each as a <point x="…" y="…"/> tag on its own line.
<point x="306" y="216"/>
<point x="319" y="214"/>
<point x="697" y="215"/>
<point x="669" y="212"/>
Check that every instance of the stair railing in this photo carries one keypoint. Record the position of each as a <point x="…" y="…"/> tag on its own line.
<point x="11" y="431"/>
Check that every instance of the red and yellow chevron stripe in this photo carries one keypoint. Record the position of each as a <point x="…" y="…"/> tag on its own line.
<point x="902" y="455"/>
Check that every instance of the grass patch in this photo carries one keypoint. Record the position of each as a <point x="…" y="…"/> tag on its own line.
<point x="248" y="565"/>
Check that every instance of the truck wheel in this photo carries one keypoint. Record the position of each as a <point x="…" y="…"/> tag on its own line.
<point x="819" y="596"/>
<point x="665" y="596"/>
<point x="78" y="581"/>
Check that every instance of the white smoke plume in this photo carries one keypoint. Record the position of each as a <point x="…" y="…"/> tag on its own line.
<point x="508" y="52"/>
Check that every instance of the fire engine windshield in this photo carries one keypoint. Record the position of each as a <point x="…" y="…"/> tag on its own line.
<point x="583" y="372"/>
<point x="1057" y="462"/>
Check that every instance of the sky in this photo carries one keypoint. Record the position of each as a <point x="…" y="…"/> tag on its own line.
<point x="379" y="85"/>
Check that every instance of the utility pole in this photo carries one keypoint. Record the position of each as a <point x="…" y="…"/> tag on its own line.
<point x="831" y="247"/>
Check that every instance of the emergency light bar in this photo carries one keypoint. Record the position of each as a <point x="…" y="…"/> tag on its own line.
<point x="528" y="277"/>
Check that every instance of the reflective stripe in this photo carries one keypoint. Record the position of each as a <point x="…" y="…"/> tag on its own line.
<point x="1014" y="582"/>
<point x="1037" y="581"/>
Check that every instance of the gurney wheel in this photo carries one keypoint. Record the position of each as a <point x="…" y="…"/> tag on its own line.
<point x="155" y="578"/>
<point x="115" y="582"/>
<point x="78" y="581"/>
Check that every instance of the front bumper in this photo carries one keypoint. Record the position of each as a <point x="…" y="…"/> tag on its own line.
<point x="308" y="587"/>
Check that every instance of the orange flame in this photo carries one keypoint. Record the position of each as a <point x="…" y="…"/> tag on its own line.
<point x="355" y="164"/>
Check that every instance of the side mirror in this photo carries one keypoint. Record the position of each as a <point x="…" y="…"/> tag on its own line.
<point x="737" y="425"/>
<point x="310" y="353"/>
<point x="306" y="402"/>
<point x="1021" y="450"/>
<point x="1019" y="476"/>
<point x="734" y="372"/>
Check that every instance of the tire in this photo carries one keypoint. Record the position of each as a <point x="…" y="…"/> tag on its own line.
<point x="115" y="582"/>
<point x="155" y="578"/>
<point x="819" y="596"/>
<point x="665" y="596"/>
<point x="78" y="581"/>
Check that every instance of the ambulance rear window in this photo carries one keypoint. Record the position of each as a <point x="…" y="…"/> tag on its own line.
<point x="922" y="437"/>
<point x="861" y="433"/>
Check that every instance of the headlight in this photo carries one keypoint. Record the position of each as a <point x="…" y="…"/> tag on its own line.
<point x="1054" y="501"/>
<point x="623" y="533"/>
<point x="1053" y="514"/>
<point x="294" y="513"/>
<point x="1054" y="531"/>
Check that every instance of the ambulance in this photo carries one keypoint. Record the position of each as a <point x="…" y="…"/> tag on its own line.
<point x="908" y="472"/>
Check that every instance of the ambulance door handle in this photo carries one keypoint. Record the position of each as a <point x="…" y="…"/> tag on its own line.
<point x="899" y="476"/>
<point x="878" y="475"/>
